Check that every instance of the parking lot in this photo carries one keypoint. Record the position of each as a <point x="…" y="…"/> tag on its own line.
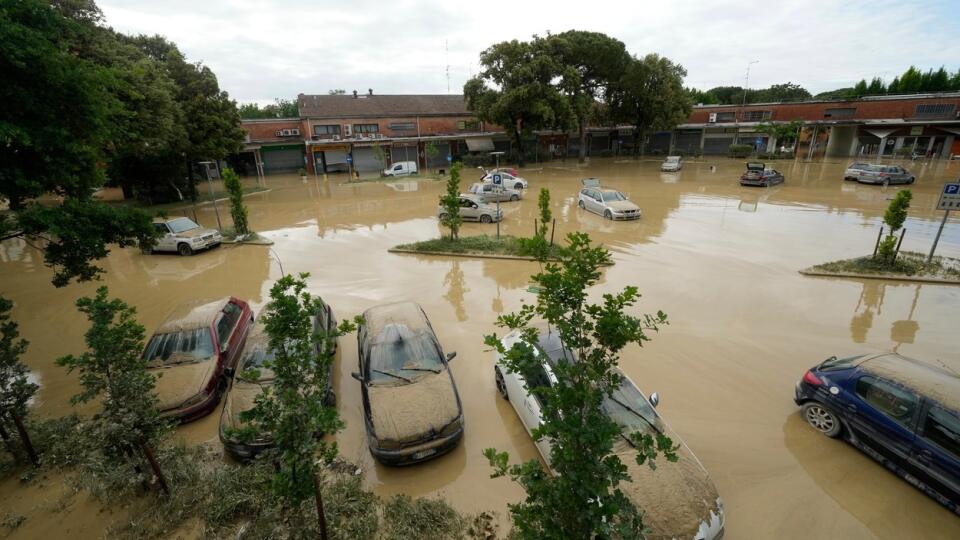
<point x="720" y="259"/>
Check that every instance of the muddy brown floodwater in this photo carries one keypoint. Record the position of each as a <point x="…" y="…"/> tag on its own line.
<point x="721" y="260"/>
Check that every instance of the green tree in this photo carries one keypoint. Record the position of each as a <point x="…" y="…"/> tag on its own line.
<point x="15" y="386"/>
<point x="515" y="90"/>
<point x="292" y="410"/>
<point x="450" y="203"/>
<point x="432" y="151"/>
<point x="114" y="373"/>
<point x="786" y="134"/>
<point x="582" y="499"/>
<point x="894" y="86"/>
<point x="231" y="181"/>
<point x="876" y="87"/>
<point x="783" y="92"/>
<point x="699" y="97"/>
<point x="590" y="62"/>
<point x="543" y="203"/>
<point x="859" y="89"/>
<point x="280" y="108"/>
<point x="650" y="95"/>
<point x="894" y="217"/>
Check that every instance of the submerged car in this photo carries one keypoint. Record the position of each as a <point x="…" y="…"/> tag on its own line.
<point x="184" y="236"/>
<point x="411" y="406"/>
<point x="899" y="411"/>
<point x="252" y="376"/>
<point x="758" y="174"/>
<point x="494" y="192"/>
<point x="473" y="208"/>
<point x="679" y="500"/>
<point x="502" y="177"/>
<point x="193" y="354"/>
<point x="886" y="175"/>
<point x="608" y="203"/>
<point x="671" y="164"/>
<point x="855" y="170"/>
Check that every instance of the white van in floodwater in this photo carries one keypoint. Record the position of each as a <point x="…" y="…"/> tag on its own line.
<point x="401" y="168"/>
<point x="671" y="164"/>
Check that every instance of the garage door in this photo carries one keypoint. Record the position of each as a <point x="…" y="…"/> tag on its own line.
<point x="659" y="143"/>
<point x="365" y="160"/>
<point x="403" y="153"/>
<point x="282" y="159"/>
<point x="599" y="143"/>
<point x="687" y="143"/>
<point x="719" y="145"/>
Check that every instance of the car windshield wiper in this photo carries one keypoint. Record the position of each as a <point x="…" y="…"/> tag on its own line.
<point x="401" y="377"/>
<point x="421" y="369"/>
<point x="637" y="414"/>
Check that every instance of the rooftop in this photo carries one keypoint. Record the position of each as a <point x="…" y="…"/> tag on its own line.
<point x="374" y="105"/>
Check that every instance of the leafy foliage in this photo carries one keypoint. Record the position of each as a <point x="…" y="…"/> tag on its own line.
<point x="231" y="181"/>
<point x="734" y="95"/>
<point x="785" y="133"/>
<point x="582" y="499"/>
<point x="650" y="95"/>
<point x="280" y="108"/>
<point x="450" y="201"/>
<point x="894" y="217"/>
<point x="15" y="387"/>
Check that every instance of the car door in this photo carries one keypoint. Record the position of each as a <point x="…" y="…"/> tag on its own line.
<point x="531" y="408"/>
<point x="165" y="241"/>
<point x="935" y="456"/>
<point x="592" y="202"/>
<point x="882" y="416"/>
<point x="469" y="210"/>
<point x="228" y="335"/>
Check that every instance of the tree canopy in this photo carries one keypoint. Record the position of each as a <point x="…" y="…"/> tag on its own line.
<point x="280" y="108"/>
<point x="910" y="81"/>
<point x="650" y="95"/>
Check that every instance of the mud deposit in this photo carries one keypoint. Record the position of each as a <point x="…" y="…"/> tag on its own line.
<point x="721" y="260"/>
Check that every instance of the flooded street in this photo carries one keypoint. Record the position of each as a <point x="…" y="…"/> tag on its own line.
<point x="720" y="259"/>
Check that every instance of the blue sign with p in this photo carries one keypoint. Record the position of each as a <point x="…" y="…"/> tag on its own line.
<point x="951" y="189"/>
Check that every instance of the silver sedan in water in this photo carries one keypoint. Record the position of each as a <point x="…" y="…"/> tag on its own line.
<point x="886" y="175"/>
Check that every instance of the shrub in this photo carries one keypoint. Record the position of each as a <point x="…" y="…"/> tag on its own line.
<point x="739" y="150"/>
<point x="237" y="210"/>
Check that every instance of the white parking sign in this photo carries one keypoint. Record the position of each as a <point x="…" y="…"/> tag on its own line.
<point x="950" y="197"/>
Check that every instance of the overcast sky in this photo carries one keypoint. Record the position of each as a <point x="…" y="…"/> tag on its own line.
<point x="262" y="49"/>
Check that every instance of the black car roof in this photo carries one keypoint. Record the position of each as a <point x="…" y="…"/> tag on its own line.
<point x="934" y="382"/>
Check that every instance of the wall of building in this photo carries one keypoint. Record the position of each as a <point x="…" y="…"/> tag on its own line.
<point x="816" y="111"/>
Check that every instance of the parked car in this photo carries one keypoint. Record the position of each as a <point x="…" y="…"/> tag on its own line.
<point x="671" y="164"/>
<point x="855" y="170"/>
<point x="252" y="376"/>
<point x="194" y="353"/>
<point x="401" y="168"/>
<point x="675" y="489"/>
<point x="183" y="235"/>
<point x="411" y="406"/>
<point x="494" y="192"/>
<point x="608" y="203"/>
<point x="758" y="174"/>
<point x="505" y="178"/>
<point x="473" y="208"/>
<point x="886" y="175"/>
<point x="899" y="411"/>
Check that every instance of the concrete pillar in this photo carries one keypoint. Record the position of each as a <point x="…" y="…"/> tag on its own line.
<point x="703" y="133"/>
<point x="883" y="144"/>
<point x="840" y="141"/>
<point x="947" y="146"/>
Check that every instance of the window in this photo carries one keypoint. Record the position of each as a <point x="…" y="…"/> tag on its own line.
<point x="943" y="429"/>
<point x="182" y="347"/>
<point x="756" y="116"/>
<point x="326" y="130"/>
<point x="466" y="203"/>
<point x="936" y="109"/>
<point x="726" y="116"/>
<point x="182" y="224"/>
<point x="890" y="400"/>
<point x="366" y="128"/>
<point x="403" y="126"/>
<point x="613" y="196"/>
<point x="537" y="381"/>
<point x="227" y="322"/>
<point x="468" y="125"/>
<point x="844" y="112"/>
<point x="401" y="354"/>
<point x="161" y="228"/>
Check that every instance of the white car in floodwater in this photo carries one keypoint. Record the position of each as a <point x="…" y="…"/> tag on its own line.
<point x="678" y="500"/>
<point x="671" y="164"/>
<point x="184" y="236"/>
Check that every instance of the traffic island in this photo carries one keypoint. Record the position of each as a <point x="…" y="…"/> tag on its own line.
<point x="229" y="237"/>
<point x="909" y="266"/>
<point x="482" y="246"/>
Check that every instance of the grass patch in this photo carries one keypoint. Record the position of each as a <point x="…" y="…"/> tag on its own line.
<point x="480" y="245"/>
<point x="908" y="263"/>
<point x="427" y="176"/>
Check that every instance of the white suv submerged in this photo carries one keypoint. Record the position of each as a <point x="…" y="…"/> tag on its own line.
<point x="184" y="236"/>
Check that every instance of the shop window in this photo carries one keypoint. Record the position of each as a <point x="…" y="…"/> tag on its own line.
<point x="326" y="130"/>
<point x="403" y="126"/>
<point x="935" y="110"/>
<point x="756" y="116"/>
<point x="468" y="125"/>
<point x="726" y="117"/>
<point x="843" y="112"/>
<point x="366" y="128"/>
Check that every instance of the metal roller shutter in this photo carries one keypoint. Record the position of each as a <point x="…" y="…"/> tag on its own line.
<point x="659" y="142"/>
<point x="718" y="145"/>
<point x="282" y="159"/>
<point x="365" y="160"/>
<point x="403" y="153"/>
<point x="687" y="143"/>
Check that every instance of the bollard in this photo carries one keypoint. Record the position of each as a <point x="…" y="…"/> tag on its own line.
<point x="897" y="252"/>
<point x="553" y="230"/>
<point x="877" y="245"/>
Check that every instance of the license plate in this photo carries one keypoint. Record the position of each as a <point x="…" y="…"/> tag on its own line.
<point x="424" y="453"/>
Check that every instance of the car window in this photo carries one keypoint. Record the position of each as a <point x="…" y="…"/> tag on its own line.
<point x="400" y="351"/>
<point x="179" y="347"/>
<point x="538" y="380"/>
<point x="887" y="398"/>
<point x="398" y="167"/>
<point x="942" y="428"/>
<point x="630" y="409"/>
<point x="182" y="224"/>
<point x="255" y="358"/>
<point x="161" y="228"/>
<point x="465" y="203"/>
<point x="228" y="321"/>
<point x="613" y="196"/>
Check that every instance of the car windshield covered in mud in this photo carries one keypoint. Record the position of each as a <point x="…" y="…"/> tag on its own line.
<point x="679" y="499"/>
<point x="606" y="202"/>
<point x="193" y="352"/>
<point x="410" y="400"/>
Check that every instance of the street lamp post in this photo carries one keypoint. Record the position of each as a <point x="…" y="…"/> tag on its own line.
<point x="743" y="103"/>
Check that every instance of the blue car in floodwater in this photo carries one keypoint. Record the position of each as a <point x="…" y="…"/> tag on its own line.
<point x="899" y="411"/>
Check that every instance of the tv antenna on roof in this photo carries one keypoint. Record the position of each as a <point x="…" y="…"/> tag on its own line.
<point x="446" y="52"/>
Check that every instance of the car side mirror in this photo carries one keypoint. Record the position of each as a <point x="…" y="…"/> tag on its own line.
<point x="451" y="355"/>
<point x="356" y="376"/>
<point x="654" y="399"/>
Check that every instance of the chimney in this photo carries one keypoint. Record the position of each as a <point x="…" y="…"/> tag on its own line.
<point x="354" y="94"/>
<point x="369" y="91"/>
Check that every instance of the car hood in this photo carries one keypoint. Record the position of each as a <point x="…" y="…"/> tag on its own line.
<point x="621" y="206"/>
<point x="178" y="383"/>
<point x="194" y="233"/>
<point x="678" y="499"/>
<point x="406" y="413"/>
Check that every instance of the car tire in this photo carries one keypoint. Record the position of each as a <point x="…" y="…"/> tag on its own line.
<point x="912" y="179"/>
<point x="607" y="215"/>
<point x="501" y="385"/>
<point x="518" y="186"/>
<point x="580" y="204"/>
<point x="184" y="249"/>
<point x="486" y="218"/>
<point x="822" y="418"/>
<point x="514" y="198"/>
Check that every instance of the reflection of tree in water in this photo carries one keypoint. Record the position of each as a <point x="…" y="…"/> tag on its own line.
<point x="871" y="300"/>
<point x="456" y="290"/>
<point x="906" y="331"/>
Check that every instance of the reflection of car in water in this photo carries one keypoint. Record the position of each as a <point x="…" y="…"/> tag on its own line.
<point x="184" y="236"/>
<point x="411" y="406"/>
<point x="194" y="352"/>
<point x="758" y="174"/>
<point x="494" y="192"/>
<point x="252" y="376"/>
<point x="608" y="203"/>
<point x="901" y="412"/>
<point x="675" y="489"/>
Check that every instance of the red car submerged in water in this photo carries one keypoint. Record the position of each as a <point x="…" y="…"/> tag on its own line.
<point x="194" y="353"/>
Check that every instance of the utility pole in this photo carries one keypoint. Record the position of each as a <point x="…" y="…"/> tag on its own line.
<point x="743" y="104"/>
<point x="496" y="156"/>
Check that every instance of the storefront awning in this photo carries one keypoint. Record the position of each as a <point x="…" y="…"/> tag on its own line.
<point x="480" y="144"/>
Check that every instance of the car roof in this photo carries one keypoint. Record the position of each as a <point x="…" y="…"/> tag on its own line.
<point x="608" y="190"/>
<point x="396" y="315"/>
<point x="931" y="381"/>
<point x="192" y="315"/>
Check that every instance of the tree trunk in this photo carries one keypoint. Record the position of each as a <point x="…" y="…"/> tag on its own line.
<point x="193" y="185"/>
<point x="518" y="137"/>
<point x="8" y="442"/>
<point x="321" y="516"/>
<point x="156" y="468"/>
<point x="582" y="154"/>
<point x="25" y="439"/>
<point x="637" y="140"/>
